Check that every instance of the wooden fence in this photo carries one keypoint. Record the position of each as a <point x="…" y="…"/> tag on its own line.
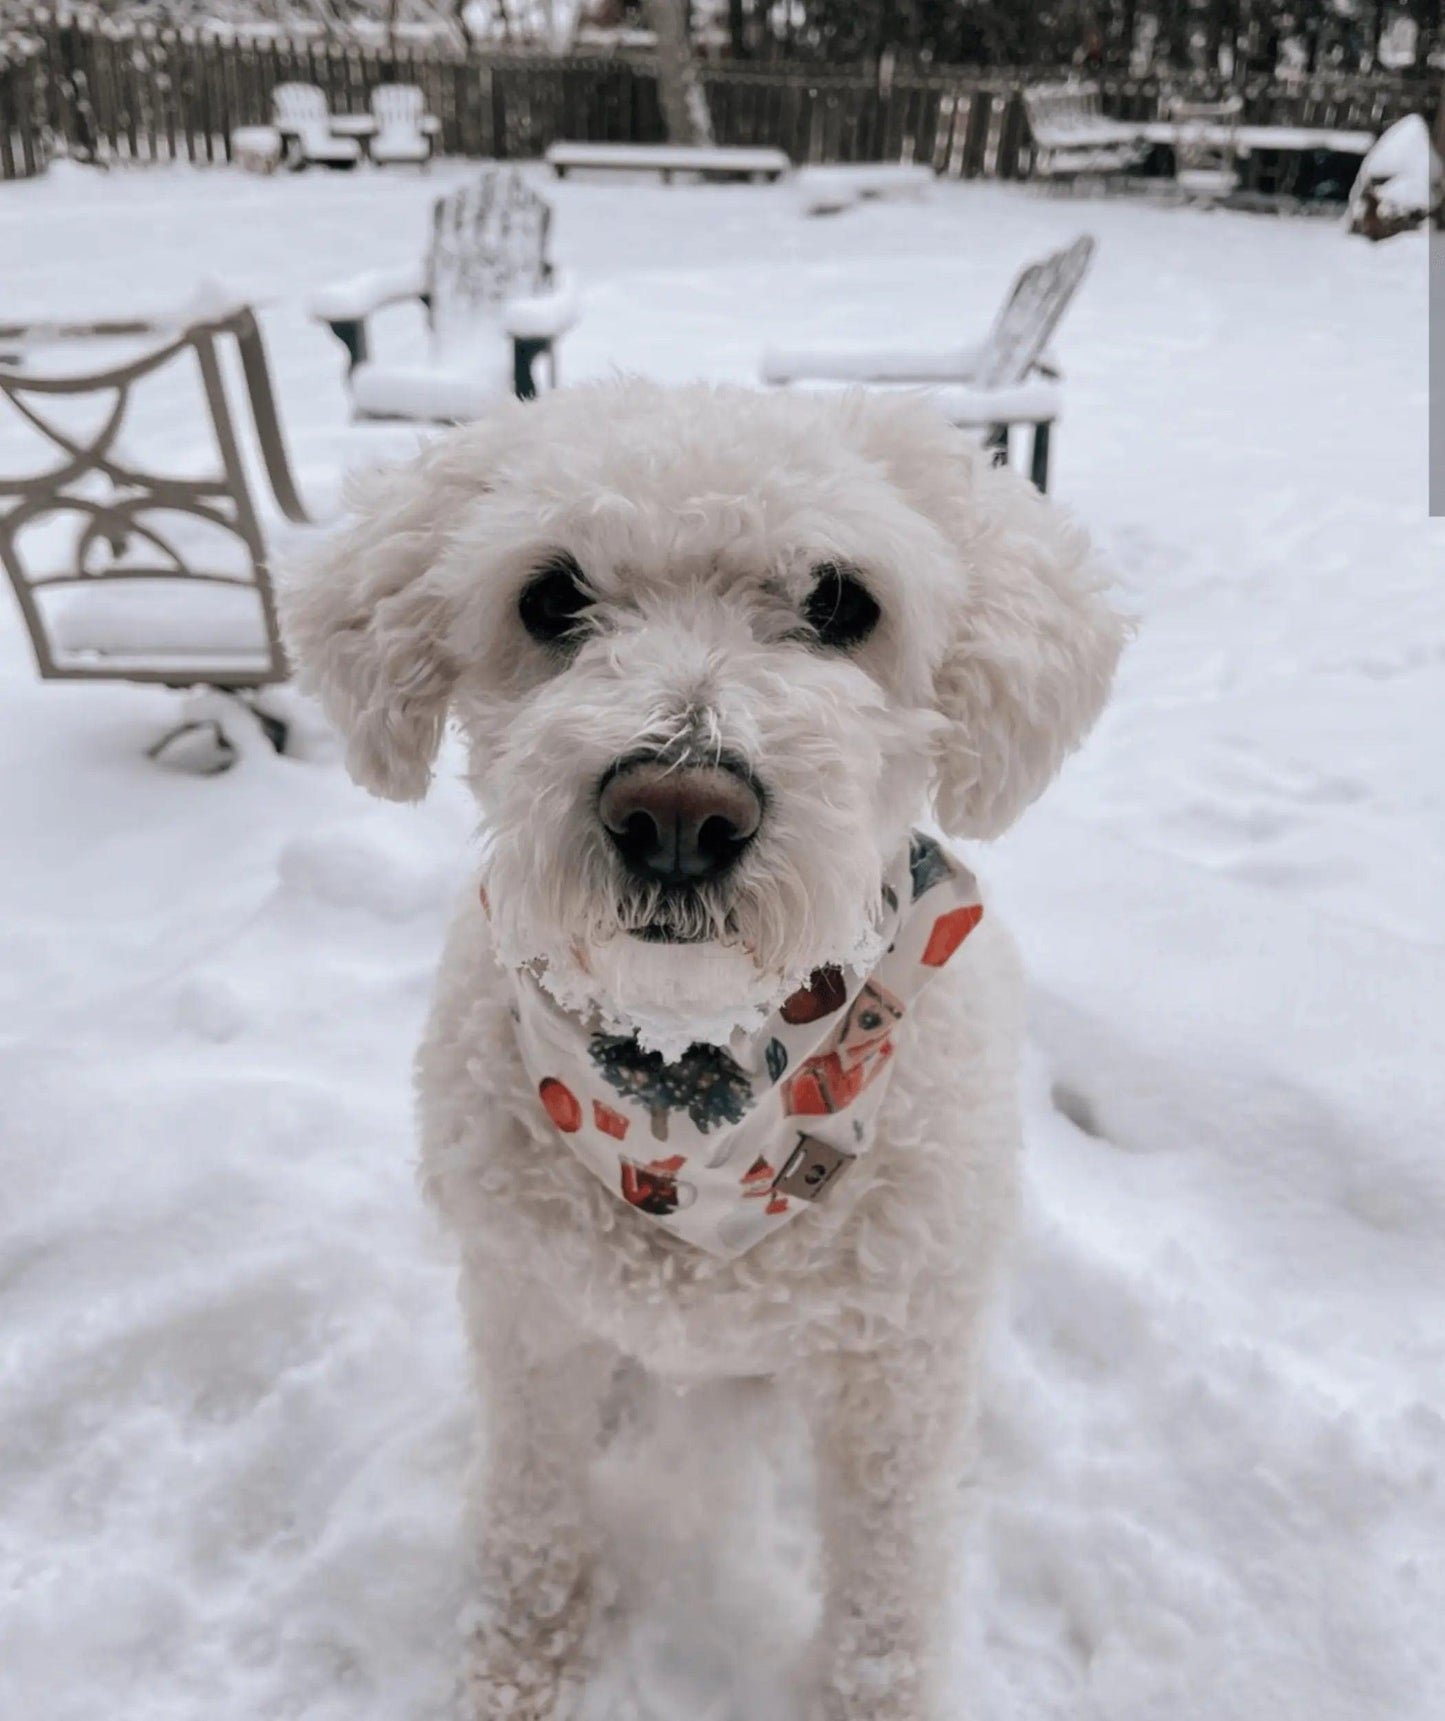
<point x="157" y="95"/>
<point x="24" y="132"/>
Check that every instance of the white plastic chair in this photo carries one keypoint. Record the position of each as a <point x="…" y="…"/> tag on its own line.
<point x="405" y="131"/>
<point x="304" y="121"/>
<point x="494" y="305"/>
<point x="991" y="385"/>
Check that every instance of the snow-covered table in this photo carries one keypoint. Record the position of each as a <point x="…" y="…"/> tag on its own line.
<point x="1301" y="162"/>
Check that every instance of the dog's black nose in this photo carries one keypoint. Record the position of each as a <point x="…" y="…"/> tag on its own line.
<point x="676" y="824"/>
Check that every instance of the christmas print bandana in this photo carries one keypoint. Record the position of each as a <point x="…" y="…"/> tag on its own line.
<point x="726" y="1143"/>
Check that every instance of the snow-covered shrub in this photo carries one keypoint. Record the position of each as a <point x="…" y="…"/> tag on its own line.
<point x="1399" y="183"/>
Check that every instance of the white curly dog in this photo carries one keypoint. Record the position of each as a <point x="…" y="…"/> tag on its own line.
<point x="713" y="653"/>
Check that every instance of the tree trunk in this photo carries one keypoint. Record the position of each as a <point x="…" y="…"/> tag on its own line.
<point x="684" y="102"/>
<point x="737" y="30"/>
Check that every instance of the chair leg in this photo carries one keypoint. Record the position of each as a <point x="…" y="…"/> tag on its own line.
<point x="276" y="730"/>
<point x="526" y="350"/>
<point x="186" y="748"/>
<point x="1039" y="462"/>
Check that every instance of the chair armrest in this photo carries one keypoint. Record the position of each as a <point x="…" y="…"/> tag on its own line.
<point x="543" y="316"/>
<point x="967" y="407"/>
<point x="358" y="296"/>
<point x="871" y="364"/>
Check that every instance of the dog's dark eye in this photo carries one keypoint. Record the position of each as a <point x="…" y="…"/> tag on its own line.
<point x="554" y="601"/>
<point x="840" y="608"/>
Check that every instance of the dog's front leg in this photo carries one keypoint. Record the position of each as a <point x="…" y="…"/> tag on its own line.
<point x="543" y="1387"/>
<point x="891" y="1437"/>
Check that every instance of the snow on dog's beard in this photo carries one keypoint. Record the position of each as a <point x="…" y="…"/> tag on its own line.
<point x="840" y="777"/>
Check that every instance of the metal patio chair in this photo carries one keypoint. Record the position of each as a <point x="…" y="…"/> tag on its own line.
<point x="126" y="573"/>
<point x="1206" y="148"/>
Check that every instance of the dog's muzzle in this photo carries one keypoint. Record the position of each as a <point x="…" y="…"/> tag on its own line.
<point x="678" y="826"/>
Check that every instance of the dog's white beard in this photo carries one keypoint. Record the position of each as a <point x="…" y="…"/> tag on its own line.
<point x="673" y="995"/>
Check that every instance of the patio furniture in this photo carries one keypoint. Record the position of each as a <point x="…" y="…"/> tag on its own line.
<point x="1007" y="379"/>
<point x="1071" y="137"/>
<point x="127" y="573"/>
<point x="667" y="159"/>
<point x="1279" y="166"/>
<point x="829" y="190"/>
<point x="494" y="308"/>
<point x="256" y="148"/>
<point x="405" y="132"/>
<point x="1206" y="148"/>
<point x="307" y="130"/>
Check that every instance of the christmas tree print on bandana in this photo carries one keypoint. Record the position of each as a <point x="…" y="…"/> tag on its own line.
<point x="750" y="1133"/>
<point x="704" y="1081"/>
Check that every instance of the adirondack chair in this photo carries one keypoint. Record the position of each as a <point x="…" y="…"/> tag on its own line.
<point x="494" y="308"/>
<point x="1071" y="137"/>
<point x="405" y="131"/>
<point x="126" y="573"/>
<point x="304" y="122"/>
<point x="1206" y="148"/>
<point x="1006" y="379"/>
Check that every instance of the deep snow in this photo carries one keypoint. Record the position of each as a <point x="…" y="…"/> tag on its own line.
<point x="233" y="1409"/>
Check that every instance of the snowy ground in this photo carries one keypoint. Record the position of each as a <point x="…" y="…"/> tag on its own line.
<point x="233" y="1414"/>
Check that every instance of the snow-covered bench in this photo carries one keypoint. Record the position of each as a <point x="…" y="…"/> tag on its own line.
<point x="828" y="190"/>
<point x="304" y="122"/>
<point x="668" y="159"/>
<point x="1002" y="381"/>
<point x="123" y="573"/>
<point x="1071" y="137"/>
<point x="494" y="306"/>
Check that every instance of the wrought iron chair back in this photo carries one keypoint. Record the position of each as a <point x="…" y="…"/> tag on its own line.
<point x="489" y="244"/>
<point x="1020" y="335"/>
<point x="120" y="508"/>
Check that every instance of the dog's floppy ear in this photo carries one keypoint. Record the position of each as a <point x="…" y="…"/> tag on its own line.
<point x="1032" y="641"/>
<point x="367" y="617"/>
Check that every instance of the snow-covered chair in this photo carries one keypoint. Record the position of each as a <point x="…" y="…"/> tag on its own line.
<point x="1071" y="137"/>
<point x="405" y="131"/>
<point x="494" y="306"/>
<point x="1006" y="379"/>
<point x="1206" y="148"/>
<point x="304" y="122"/>
<point x="127" y="573"/>
<point x="1399" y="185"/>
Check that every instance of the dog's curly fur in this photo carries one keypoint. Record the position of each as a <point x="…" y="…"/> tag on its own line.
<point x="699" y="518"/>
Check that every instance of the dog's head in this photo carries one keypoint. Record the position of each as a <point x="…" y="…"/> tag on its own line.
<point x="712" y="651"/>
